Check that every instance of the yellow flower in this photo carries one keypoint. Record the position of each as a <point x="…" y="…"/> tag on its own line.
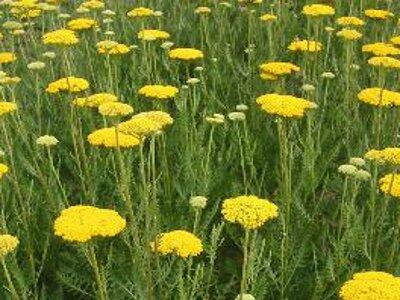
<point x="7" y="107"/>
<point x="386" y="156"/>
<point x="305" y="46"/>
<point x="152" y="35"/>
<point x="350" y="21"/>
<point x="95" y="100"/>
<point x="3" y="170"/>
<point x="112" y="138"/>
<point x="115" y="109"/>
<point x="7" y="57"/>
<point x="318" y="10"/>
<point x="384" y="61"/>
<point x="390" y="185"/>
<point x="69" y="84"/>
<point x="249" y="211"/>
<point x="112" y="48"/>
<point x="395" y="40"/>
<point x="140" y="12"/>
<point x="60" y="37"/>
<point x="349" y="34"/>
<point x="8" y="243"/>
<point x="185" y="54"/>
<point x="379" y="97"/>
<point x="371" y="285"/>
<point x="159" y="91"/>
<point x="146" y="123"/>
<point x="81" y="24"/>
<point x="380" y="49"/>
<point x="268" y="18"/>
<point x="378" y="14"/>
<point x="178" y="242"/>
<point x="93" y="4"/>
<point x="285" y="105"/>
<point x="81" y="223"/>
<point x="203" y="10"/>
<point x="274" y="69"/>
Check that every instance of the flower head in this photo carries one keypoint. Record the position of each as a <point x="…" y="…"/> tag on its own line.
<point x="158" y="91"/>
<point x="153" y="34"/>
<point x="284" y="105"/>
<point x="185" y="54"/>
<point x="305" y="46"/>
<point x="379" y="97"/>
<point x="178" y="242"/>
<point x="81" y="223"/>
<point x="47" y="141"/>
<point x="115" y="109"/>
<point x="249" y="211"/>
<point x="371" y="285"/>
<point x="318" y="10"/>
<point x="69" y="84"/>
<point x="112" y="138"/>
<point x="60" y="37"/>
<point x="8" y="243"/>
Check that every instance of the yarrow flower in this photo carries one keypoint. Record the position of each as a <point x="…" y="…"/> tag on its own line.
<point x="371" y="285"/>
<point x="69" y="84"/>
<point x="81" y="223"/>
<point x="249" y="211"/>
<point x="112" y="48"/>
<point x="381" y="49"/>
<point x="268" y="18"/>
<point x="146" y="123"/>
<point x="140" y="12"/>
<point x="379" y="97"/>
<point x="81" y="24"/>
<point x="153" y="34"/>
<point x="284" y="105"/>
<point x="3" y="170"/>
<point x="7" y="57"/>
<point x="158" y="91"/>
<point x="112" y="138"/>
<point x="390" y="185"/>
<point x="7" y="107"/>
<point x="47" y="141"/>
<point x="350" y="21"/>
<point x="95" y="100"/>
<point x="378" y="14"/>
<point x="179" y="242"/>
<point x="385" y="156"/>
<point x="185" y="54"/>
<point x="318" y="10"/>
<point x="274" y="69"/>
<point x="385" y="62"/>
<point x="115" y="109"/>
<point x="8" y="243"/>
<point x="305" y="46"/>
<point x="349" y="34"/>
<point x="60" y="37"/>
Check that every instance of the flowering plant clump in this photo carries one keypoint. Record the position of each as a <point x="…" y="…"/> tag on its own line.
<point x="284" y="105"/>
<point x="249" y="211"/>
<point x="69" y="84"/>
<point x="179" y="242"/>
<point x="158" y="91"/>
<point x="81" y="223"/>
<point x="371" y="285"/>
